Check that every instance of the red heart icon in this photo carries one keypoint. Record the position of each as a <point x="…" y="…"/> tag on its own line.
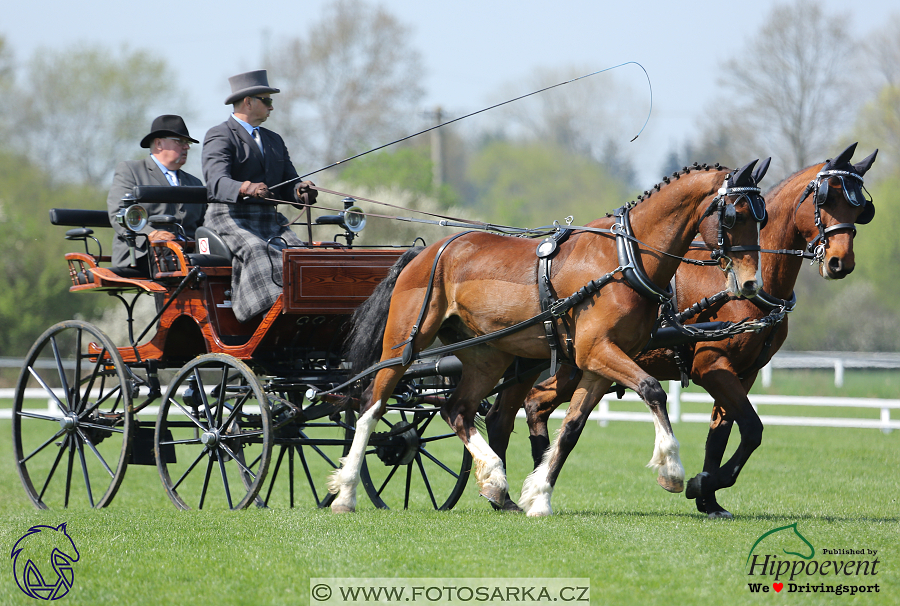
<point x="778" y="586"/>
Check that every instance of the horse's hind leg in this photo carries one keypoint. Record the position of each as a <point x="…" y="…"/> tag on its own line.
<point x="500" y="421"/>
<point x="482" y="368"/>
<point x="538" y="487"/>
<point x="543" y="399"/>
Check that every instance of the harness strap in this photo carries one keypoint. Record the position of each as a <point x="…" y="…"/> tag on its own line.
<point x="633" y="270"/>
<point x="408" y="352"/>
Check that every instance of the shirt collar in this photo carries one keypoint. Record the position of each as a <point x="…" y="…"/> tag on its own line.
<point x="163" y="168"/>
<point x="246" y="126"/>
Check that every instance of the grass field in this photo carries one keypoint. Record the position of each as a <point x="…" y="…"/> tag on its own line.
<point x="636" y="543"/>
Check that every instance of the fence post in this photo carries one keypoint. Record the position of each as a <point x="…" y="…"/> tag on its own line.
<point x="675" y="401"/>
<point x="885" y="419"/>
<point x="767" y="374"/>
<point x="838" y="373"/>
<point x="604" y="412"/>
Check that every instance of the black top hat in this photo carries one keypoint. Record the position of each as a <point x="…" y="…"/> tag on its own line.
<point x="167" y="126"/>
<point x="249" y="83"/>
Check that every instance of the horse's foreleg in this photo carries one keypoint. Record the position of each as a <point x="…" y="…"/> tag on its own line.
<point x="500" y="422"/>
<point x="543" y="399"/>
<point x="538" y="487"/>
<point x="731" y="405"/>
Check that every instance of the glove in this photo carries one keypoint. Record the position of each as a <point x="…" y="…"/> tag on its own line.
<point x="254" y="190"/>
<point x="159" y="234"/>
<point x="304" y="193"/>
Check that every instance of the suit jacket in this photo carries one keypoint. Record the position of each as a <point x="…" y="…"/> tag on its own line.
<point x="255" y="233"/>
<point x="131" y="173"/>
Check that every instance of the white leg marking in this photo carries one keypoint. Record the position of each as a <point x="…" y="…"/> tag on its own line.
<point x="536" y="491"/>
<point x="666" y="460"/>
<point x="488" y="467"/>
<point x="344" y="479"/>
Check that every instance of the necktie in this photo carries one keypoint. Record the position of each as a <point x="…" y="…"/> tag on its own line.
<point x="172" y="177"/>
<point x="258" y="140"/>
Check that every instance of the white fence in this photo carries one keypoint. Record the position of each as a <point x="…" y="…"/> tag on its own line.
<point x="605" y="413"/>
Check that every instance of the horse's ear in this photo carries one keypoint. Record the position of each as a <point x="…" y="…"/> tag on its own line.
<point x="743" y="175"/>
<point x="842" y="158"/>
<point x="62" y="527"/>
<point x="760" y="171"/>
<point x="865" y="164"/>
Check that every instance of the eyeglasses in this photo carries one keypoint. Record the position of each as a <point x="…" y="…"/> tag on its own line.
<point x="180" y="141"/>
<point x="267" y="101"/>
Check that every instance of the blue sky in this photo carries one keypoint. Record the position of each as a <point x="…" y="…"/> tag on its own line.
<point x="469" y="48"/>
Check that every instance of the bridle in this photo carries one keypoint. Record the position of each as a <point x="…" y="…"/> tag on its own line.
<point x="728" y="218"/>
<point x="852" y="193"/>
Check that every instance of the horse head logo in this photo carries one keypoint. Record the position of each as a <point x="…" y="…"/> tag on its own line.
<point x="789" y="533"/>
<point x="39" y="550"/>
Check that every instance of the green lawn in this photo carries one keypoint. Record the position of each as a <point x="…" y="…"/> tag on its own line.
<point x="612" y="524"/>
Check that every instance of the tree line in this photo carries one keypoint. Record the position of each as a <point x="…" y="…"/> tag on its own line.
<point x="354" y="85"/>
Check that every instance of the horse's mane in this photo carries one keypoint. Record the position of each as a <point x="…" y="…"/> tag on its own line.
<point x="776" y="189"/>
<point x="666" y="180"/>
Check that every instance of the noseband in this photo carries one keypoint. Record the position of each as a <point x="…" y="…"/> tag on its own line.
<point x="819" y="186"/>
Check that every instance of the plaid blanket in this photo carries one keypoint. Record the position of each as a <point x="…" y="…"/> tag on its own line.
<point x="256" y="281"/>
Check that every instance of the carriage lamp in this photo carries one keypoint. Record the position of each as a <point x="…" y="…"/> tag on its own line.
<point x="352" y="218"/>
<point x="131" y="216"/>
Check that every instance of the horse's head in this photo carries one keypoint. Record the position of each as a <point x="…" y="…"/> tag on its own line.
<point x="41" y="549"/>
<point x="730" y="227"/>
<point x="836" y="204"/>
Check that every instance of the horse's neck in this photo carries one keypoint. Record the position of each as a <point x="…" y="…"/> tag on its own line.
<point x="780" y="271"/>
<point x="667" y="224"/>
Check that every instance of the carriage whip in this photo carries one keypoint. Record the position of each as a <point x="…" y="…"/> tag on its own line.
<point x="484" y="110"/>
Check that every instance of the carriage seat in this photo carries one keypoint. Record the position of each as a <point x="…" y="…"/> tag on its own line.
<point x="216" y="252"/>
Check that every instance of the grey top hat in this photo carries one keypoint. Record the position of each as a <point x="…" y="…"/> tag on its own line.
<point x="249" y="83"/>
<point x="168" y="125"/>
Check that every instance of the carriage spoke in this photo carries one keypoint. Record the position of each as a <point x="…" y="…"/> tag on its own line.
<point x="235" y="410"/>
<point x="188" y="414"/>
<point x="220" y="401"/>
<point x="116" y="390"/>
<point x="174" y="442"/>
<point x="189" y="470"/>
<point x="201" y="390"/>
<point x="32" y="415"/>
<point x="43" y="446"/>
<point x="388" y="478"/>
<point x="236" y="460"/>
<point x="71" y="448"/>
<point x="225" y="479"/>
<point x="62" y="450"/>
<point x="64" y="382"/>
<point x="209" y="467"/>
<point x="425" y="479"/>
<point x="408" y="485"/>
<point x="440" y="437"/>
<point x="48" y="389"/>
<point x="421" y="430"/>
<point x="275" y="472"/>
<point x="84" y="471"/>
<point x="103" y="427"/>
<point x="438" y="463"/>
<point x="96" y="452"/>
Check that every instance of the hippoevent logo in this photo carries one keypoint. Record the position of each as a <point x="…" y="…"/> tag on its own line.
<point x="42" y="562"/>
<point x="782" y="559"/>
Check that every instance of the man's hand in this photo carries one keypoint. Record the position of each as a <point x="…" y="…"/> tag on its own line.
<point x="254" y="190"/>
<point x="159" y="234"/>
<point x="304" y="193"/>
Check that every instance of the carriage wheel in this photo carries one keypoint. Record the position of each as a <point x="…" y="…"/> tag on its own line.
<point x="304" y="457"/>
<point x="75" y="448"/>
<point x="213" y="437"/>
<point x="413" y="459"/>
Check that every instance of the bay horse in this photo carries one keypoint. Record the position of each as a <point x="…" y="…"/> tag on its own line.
<point x="815" y="209"/>
<point x="473" y="284"/>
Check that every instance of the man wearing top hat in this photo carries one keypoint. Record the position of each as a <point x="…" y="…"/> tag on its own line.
<point x="168" y="142"/>
<point x="242" y="165"/>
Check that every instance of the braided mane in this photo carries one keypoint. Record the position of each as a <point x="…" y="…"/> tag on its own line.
<point x="666" y="180"/>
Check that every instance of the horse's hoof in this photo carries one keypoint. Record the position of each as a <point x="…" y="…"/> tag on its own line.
<point x="510" y="506"/>
<point x="671" y="485"/>
<point x="695" y="485"/>
<point x="337" y="508"/>
<point x="494" y="494"/>
<point x="720" y="515"/>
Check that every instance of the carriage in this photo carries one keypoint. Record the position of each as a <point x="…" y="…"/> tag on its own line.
<point x="219" y="406"/>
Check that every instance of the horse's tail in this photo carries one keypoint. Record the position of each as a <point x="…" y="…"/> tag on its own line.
<point x="362" y="347"/>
